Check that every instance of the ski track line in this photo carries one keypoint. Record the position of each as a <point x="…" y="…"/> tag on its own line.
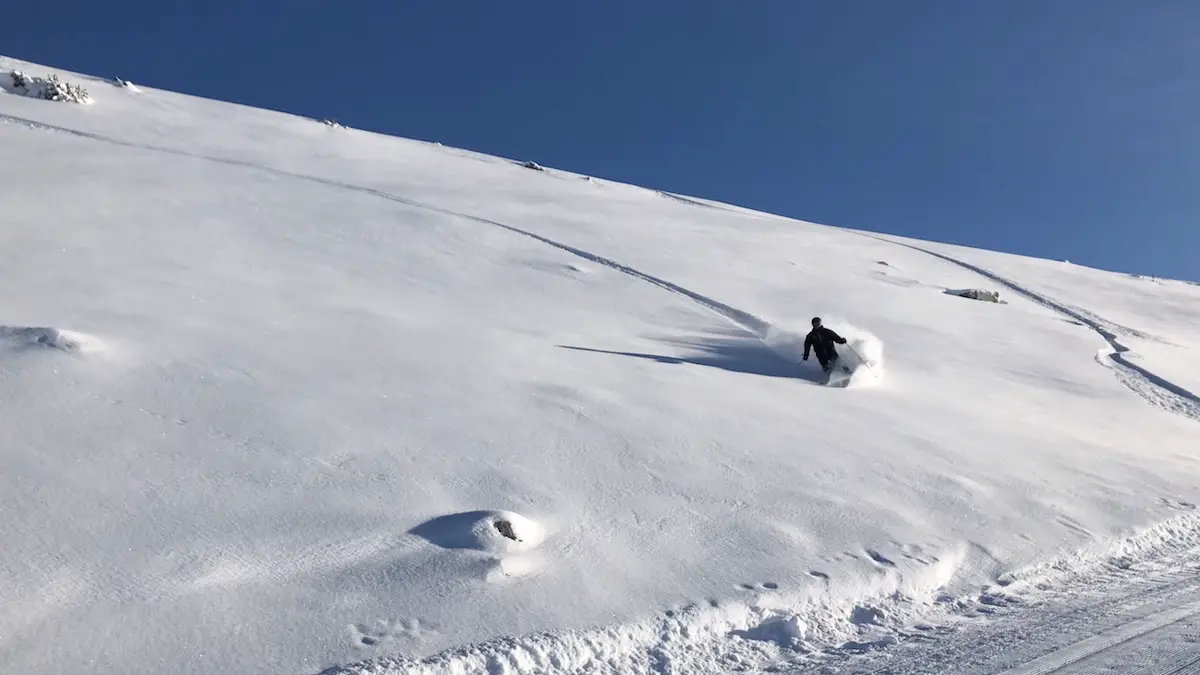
<point x="1157" y="390"/>
<point x="977" y="649"/>
<point x="745" y="320"/>
<point x="1109" y="640"/>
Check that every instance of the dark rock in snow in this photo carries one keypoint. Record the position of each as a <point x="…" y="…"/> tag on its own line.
<point x="505" y="529"/>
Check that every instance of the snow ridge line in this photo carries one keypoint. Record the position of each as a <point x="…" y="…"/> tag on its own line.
<point x="687" y="200"/>
<point x="759" y="327"/>
<point x="1155" y="389"/>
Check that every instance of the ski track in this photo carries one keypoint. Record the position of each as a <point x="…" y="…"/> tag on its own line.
<point x="1046" y="640"/>
<point x="1155" y="389"/>
<point x="745" y="320"/>
<point x="1117" y="645"/>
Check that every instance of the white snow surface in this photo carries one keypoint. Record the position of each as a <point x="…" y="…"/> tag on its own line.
<point x="282" y="397"/>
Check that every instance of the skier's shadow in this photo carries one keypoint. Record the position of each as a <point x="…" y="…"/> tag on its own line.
<point x="735" y="353"/>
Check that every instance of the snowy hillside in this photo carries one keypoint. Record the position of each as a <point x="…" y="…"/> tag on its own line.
<point x="280" y="396"/>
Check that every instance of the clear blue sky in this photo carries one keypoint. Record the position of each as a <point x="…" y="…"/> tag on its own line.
<point x="1057" y="128"/>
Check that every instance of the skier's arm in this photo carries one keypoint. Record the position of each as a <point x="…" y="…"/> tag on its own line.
<point x="837" y="338"/>
<point x="807" y="345"/>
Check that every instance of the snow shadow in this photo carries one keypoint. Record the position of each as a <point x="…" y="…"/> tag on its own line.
<point x="496" y="532"/>
<point x="743" y="354"/>
<point x="452" y="531"/>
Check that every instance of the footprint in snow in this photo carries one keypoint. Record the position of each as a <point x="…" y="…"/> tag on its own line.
<point x="383" y="631"/>
<point x="1176" y="504"/>
<point x="766" y="585"/>
<point x="1073" y="525"/>
<point x="879" y="558"/>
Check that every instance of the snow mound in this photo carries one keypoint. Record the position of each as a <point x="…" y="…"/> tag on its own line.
<point x="976" y="294"/>
<point x="491" y="531"/>
<point x="25" y="337"/>
<point x="503" y="541"/>
<point x="784" y="629"/>
<point x="49" y="88"/>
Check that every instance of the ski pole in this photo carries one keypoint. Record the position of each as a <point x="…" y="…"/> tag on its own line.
<point x="860" y="358"/>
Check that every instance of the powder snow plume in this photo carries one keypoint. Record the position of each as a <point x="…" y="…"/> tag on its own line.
<point x="863" y="351"/>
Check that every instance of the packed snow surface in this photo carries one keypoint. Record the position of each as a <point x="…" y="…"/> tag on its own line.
<point x="282" y="396"/>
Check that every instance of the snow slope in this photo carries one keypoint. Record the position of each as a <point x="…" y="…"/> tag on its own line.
<point x="278" y="396"/>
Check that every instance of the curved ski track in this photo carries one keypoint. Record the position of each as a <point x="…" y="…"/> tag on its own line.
<point x="744" y="320"/>
<point x="1155" y="389"/>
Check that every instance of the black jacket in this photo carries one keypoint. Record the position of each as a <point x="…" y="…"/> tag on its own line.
<point x="821" y="341"/>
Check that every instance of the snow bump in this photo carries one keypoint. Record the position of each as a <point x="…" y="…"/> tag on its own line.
<point x="504" y="542"/>
<point x="490" y="531"/>
<point x="32" y="337"/>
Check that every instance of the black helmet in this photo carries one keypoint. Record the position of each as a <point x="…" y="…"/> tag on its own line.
<point x="816" y="321"/>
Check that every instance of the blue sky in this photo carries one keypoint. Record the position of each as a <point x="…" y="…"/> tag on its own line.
<point x="1056" y="128"/>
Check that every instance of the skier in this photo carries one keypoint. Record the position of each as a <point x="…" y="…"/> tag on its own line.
<point x="821" y="341"/>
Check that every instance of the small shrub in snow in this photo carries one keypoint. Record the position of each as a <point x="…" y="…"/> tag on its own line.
<point x="333" y="123"/>
<point x="48" y="88"/>
<point x="56" y="90"/>
<point x="533" y="165"/>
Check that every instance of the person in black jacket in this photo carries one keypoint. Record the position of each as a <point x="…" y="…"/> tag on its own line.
<point x="821" y="341"/>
